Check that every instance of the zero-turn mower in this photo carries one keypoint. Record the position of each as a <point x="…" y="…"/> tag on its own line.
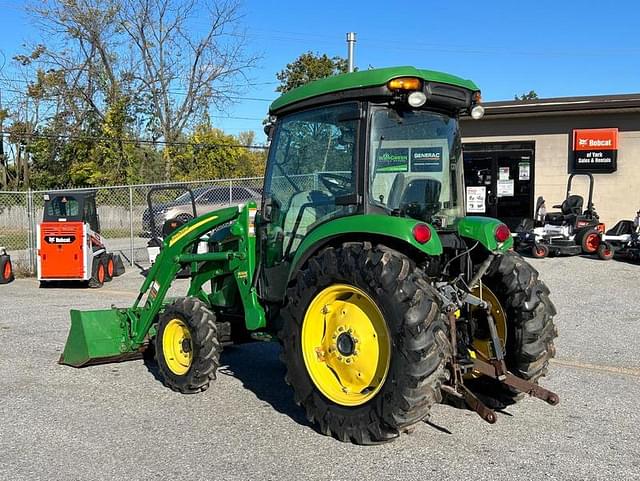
<point x="384" y="296"/>
<point x="622" y="240"/>
<point x="70" y="247"/>
<point x="571" y="231"/>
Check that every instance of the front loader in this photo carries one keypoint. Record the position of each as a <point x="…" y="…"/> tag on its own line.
<point x="360" y="261"/>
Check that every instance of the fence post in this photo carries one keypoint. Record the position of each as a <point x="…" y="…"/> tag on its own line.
<point x="230" y="191"/>
<point x="131" y="247"/>
<point x="30" y="229"/>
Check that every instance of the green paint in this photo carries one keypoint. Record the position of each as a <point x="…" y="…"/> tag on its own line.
<point x="482" y="229"/>
<point x="400" y="228"/>
<point x="96" y="335"/>
<point x="364" y="79"/>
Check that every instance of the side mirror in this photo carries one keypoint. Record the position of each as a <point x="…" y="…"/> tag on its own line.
<point x="268" y="126"/>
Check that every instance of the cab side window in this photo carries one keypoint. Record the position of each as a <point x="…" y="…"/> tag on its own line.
<point x="311" y="171"/>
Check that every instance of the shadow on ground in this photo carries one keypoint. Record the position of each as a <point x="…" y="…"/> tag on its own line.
<point x="258" y="367"/>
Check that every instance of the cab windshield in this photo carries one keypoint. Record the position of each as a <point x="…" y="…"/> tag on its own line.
<point x="416" y="165"/>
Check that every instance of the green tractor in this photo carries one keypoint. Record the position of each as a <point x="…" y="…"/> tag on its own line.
<point x="360" y="260"/>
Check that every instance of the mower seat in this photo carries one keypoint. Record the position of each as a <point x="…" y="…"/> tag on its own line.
<point x="571" y="208"/>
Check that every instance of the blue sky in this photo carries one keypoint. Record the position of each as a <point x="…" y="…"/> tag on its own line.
<point x="557" y="48"/>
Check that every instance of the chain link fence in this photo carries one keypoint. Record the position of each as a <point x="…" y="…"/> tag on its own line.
<point x="125" y="219"/>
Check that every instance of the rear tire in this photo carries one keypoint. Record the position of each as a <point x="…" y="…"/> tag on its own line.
<point x="186" y="346"/>
<point x="590" y="241"/>
<point x="419" y="345"/>
<point x="530" y="327"/>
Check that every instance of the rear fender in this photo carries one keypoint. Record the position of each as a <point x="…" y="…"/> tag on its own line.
<point x="483" y="229"/>
<point x="364" y="227"/>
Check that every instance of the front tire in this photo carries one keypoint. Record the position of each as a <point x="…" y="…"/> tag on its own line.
<point x="605" y="251"/>
<point x="186" y="346"/>
<point x="392" y="291"/>
<point x="540" y="251"/>
<point x="98" y="273"/>
<point x="530" y="327"/>
<point x="6" y="270"/>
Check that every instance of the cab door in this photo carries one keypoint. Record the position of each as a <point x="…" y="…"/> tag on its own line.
<point x="310" y="179"/>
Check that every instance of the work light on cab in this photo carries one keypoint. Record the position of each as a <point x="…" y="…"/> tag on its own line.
<point x="502" y="233"/>
<point x="422" y="233"/>
<point x="416" y="99"/>
<point x="477" y="112"/>
<point x="405" y="83"/>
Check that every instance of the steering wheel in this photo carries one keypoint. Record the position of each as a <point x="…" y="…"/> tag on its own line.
<point x="336" y="184"/>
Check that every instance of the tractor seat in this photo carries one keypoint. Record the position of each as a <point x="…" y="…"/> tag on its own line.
<point x="418" y="197"/>
<point x="570" y="209"/>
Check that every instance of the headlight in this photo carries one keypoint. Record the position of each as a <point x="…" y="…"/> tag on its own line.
<point x="477" y="112"/>
<point x="416" y="99"/>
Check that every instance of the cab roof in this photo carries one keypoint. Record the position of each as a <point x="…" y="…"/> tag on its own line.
<point x="364" y="79"/>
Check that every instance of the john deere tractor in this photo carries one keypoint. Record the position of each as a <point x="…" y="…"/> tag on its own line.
<point x="360" y="261"/>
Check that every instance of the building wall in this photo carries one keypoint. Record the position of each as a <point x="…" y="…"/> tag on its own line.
<point x="616" y="196"/>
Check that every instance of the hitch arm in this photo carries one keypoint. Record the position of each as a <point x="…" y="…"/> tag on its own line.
<point x="517" y="383"/>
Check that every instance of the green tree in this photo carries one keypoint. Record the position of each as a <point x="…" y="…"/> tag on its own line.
<point x="209" y="153"/>
<point x="308" y="67"/>
<point x="532" y="95"/>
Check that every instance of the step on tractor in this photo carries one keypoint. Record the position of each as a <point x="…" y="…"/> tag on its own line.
<point x="569" y="231"/>
<point x="384" y="296"/>
<point x="6" y="267"/>
<point x="622" y="241"/>
<point x="70" y="247"/>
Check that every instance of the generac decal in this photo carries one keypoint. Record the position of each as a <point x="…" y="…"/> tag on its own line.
<point x="595" y="139"/>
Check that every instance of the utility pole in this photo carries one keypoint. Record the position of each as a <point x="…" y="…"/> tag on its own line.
<point x="351" y="42"/>
<point x="3" y="164"/>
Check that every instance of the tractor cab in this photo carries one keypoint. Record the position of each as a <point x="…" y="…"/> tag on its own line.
<point x="393" y="150"/>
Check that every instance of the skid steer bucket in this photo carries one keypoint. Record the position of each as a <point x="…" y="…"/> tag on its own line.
<point x="97" y="337"/>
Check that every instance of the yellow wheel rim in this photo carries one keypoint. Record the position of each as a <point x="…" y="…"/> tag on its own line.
<point x="482" y="345"/>
<point x="346" y="345"/>
<point x="177" y="348"/>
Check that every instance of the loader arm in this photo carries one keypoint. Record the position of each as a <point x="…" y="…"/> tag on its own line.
<point x="106" y="335"/>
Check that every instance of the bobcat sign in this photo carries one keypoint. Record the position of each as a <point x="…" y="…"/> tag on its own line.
<point x="595" y="151"/>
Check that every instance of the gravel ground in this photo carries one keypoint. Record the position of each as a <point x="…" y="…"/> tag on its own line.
<point x="118" y="422"/>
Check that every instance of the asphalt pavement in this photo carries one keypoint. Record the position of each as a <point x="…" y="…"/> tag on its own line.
<point x="117" y="421"/>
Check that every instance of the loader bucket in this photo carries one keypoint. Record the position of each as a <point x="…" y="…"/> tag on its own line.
<point x="97" y="337"/>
